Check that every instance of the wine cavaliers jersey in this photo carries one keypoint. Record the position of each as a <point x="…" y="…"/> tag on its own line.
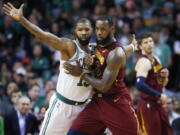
<point x="101" y="53"/>
<point x="152" y="79"/>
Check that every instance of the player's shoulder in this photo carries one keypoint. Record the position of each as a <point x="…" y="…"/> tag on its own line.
<point x="69" y="43"/>
<point x="157" y="59"/>
<point x="67" y="40"/>
<point x="144" y="63"/>
<point x="116" y="55"/>
<point x="144" y="60"/>
<point x="119" y="52"/>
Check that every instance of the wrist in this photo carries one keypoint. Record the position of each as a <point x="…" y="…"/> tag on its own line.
<point x="132" y="47"/>
<point x="21" y="20"/>
<point x="82" y="74"/>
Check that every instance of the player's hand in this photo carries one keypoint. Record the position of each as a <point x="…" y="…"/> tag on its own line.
<point x="163" y="75"/>
<point x="88" y="60"/>
<point x="135" y="43"/>
<point x="74" y="70"/>
<point x="164" y="99"/>
<point x="10" y="10"/>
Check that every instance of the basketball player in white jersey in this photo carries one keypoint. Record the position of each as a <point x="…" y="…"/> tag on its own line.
<point x="72" y="92"/>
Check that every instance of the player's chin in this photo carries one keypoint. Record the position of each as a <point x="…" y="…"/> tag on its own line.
<point x="161" y="80"/>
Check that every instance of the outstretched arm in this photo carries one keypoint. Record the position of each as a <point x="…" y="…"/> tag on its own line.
<point x="115" y="61"/>
<point x="17" y="14"/>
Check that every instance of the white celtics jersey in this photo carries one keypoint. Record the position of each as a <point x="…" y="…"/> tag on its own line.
<point x="71" y="87"/>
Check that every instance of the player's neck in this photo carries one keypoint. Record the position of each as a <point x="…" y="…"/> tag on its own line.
<point x="149" y="55"/>
<point x="84" y="47"/>
<point x="111" y="40"/>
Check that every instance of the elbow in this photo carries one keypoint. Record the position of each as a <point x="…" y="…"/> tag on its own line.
<point x="101" y="88"/>
<point x="104" y="88"/>
<point x="138" y="86"/>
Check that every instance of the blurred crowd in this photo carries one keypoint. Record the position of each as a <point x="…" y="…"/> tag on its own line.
<point x="29" y="67"/>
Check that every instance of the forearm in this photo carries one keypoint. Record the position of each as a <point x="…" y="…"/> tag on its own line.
<point x="50" y="39"/>
<point x="95" y="83"/>
<point x="142" y="86"/>
<point x="129" y="48"/>
<point x="35" y="30"/>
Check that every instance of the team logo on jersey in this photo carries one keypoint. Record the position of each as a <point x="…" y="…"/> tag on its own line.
<point x="157" y="68"/>
<point x="99" y="56"/>
<point x="105" y="51"/>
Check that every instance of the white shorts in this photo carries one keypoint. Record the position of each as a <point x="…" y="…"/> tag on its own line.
<point x="59" y="117"/>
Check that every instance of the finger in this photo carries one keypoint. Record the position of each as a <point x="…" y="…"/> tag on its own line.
<point x="70" y="73"/>
<point x="7" y="7"/>
<point x="6" y="11"/>
<point x="68" y="68"/>
<point x="93" y="56"/>
<point x="22" y="6"/>
<point x="67" y="72"/>
<point x="134" y="36"/>
<point x="10" y="5"/>
<point x="68" y="64"/>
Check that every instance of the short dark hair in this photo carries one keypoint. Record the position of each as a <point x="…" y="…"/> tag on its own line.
<point x="105" y="18"/>
<point x="15" y="91"/>
<point x="30" y="87"/>
<point x="143" y="36"/>
<point x="82" y="20"/>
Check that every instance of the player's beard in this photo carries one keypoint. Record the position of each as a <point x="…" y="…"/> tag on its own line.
<point x="84" y="42"/>
<point x="104" y="41"/>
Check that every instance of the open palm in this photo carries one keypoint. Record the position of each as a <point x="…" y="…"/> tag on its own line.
<point x="10" y="10"/>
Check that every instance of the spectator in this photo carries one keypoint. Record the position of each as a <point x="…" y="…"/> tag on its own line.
<point x="40" y="64"/>
<point x="14" y="97"/>
<point x="1" y="126"/>
<point x="10" y="87"/>
<point x="41" y="114"/>
<point x="176" y="126"/>
<point x="159" y="49"/>
<point x="20" y="121"/>
<point x="36" y="101"/>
